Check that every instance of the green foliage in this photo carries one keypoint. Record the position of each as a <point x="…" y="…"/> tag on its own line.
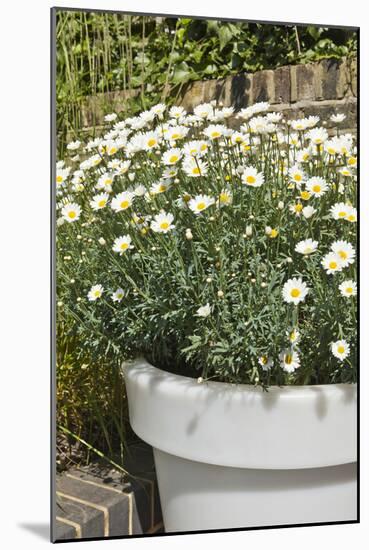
<point x="167" y="277"/>
<point x="157" y="57"/>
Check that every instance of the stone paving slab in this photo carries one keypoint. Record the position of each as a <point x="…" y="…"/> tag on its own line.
<point x="94" y="501"/>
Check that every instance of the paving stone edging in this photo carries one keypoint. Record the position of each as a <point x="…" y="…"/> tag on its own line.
<point x="92" y="503"/>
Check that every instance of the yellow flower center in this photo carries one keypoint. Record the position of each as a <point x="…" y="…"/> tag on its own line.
<point x="97" y="293"/>
<point x="201" y="206"/>
<point x="193" y="151"/>
<point x="112" y="150"/>
<point x="102" y="203"/>
<point x="173" y="158"/>
<point x="305" y="195"/>
<point x="306" y="156"/>
<point x="298" y="207"/>
<point x="342" y="214"/>
<point x="151" y="142"/>
<point x="264" y="360"/>
<point x="164" y="225"/>
<point x="349" y="290"/>
<point x="162" y="188"/>
<point x="203" y="147"/>
<point x="352" y="161"/>
<point x="251" y="179"/>
<point x="72" y="214"/>
<point x="343" y="254"/>
<point x="297" y="177"/>
<point x="175" y="136"/>
<point x="288" y="359"/>
<point x="317" y="188"/>
<point x="108" y="181"/>
<point x="318" y="141"/>
<point x="332" y="265"/>
<point x="351" y="218"/>
<point x="196" y="170"/>
<point x="124" y="246"/>
<point x="59" y="179"/>
<point x="295" y="292"/>
<point x="215" y="135"/>
<point x="124" y="204"/>
<point x="273" y="234"/>
<point x="341" y="349"/>
<point x="223" y="197"/>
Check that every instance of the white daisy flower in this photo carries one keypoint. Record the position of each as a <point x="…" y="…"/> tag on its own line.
<point x="159" y="109"/>
<point x="252" y="177"/>
<point x="162" y="223"/>
<point x="61" y="176"/>
<point x="332" y="263"/>
<point x="105" y="181"/>
<point x="99" y="201"/>
<point x="300" y="124"/>
<point x="293" y="335"/>
<point x="348" y="288"/>
<point x="71" y="212"/>
<point x="118" y="295"/>
<point x="308" y="211"/>
<point x="290" y="360"/>
<point x="160" y="187"/>
<point x="73" y="145"/>
<point x="225" y="197"/>
<point x="200" y="203"/>
<point x="177" y="112"/>
<point x="317" y="186"/>
<point x="345" y="171"/>
<point x="172" y="156"/>
<point x="296" y="174"/>
<point x="306" y="247"/>
<point x="122" y="244"/>
<point x="110" y="117"/>
<point x="175" y="133"/>
<point x="345" y="251"/>
<point x="169" y="173"/>
<point x="122" y="201"/>
<point x="150" y="140"/>
<point x="340" y="349"/>
<point x="339" y="117"/>
<point x="214" y="131"/>
<point x="296" y="208"/>
<point x="95" y="293"/>
<point x="265" y="362"/>
<point x="204" y="110"/>
<point x="351" y="214"/>
<point x="317" y="135"/>
<point x="139" y="190"/>
<point x="203" y="311"/>
<point x="195" y="148"/>
<point x="340" y="211"/>
<point x="294" y="291"/>
<point x="261" y="125"/>
<point x="194" y="168"/>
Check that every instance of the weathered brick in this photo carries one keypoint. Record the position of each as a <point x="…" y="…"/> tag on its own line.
<point x="282" y="85"/>
<point x="305" y="82"/>
<point x="241" y="91"/>
<point x="263" y="86"/>
<point x="330" y="77"/>
<point x="193" y="95"/>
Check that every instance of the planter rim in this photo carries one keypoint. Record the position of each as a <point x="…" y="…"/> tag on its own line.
<point x="240" y="425"/>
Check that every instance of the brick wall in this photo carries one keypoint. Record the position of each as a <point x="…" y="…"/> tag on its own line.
<point x="298" y="90"/>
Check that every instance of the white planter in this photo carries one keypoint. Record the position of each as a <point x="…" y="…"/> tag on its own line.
<point x="235" y="456"/>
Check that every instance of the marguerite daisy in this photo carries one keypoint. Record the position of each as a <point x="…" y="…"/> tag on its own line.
<point x="200" y="203"/>
<point x="317" y="186"/>
<point x="290" y="360"/>
<point x="265" y="362"/>
<point x="122" y="201"/>
<point x="95" y="293"/>
<point x="162" y="223"/>
<point x="306" y="247"/>
<point x="294" y="291"/>
<point x="332" y="263"/>
<point x="348" y="288"/>
<point x="99" y="201"/>
<point x="345" y="251"/>
<point x="340" y="349"/>
<point x="71" y="212"/>
<point x="122" y="244"/>
<point x="117" y="295"/>
<point x="252" y="177"/>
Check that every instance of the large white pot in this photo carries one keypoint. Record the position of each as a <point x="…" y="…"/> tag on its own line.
<point x="234" y="456"/>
